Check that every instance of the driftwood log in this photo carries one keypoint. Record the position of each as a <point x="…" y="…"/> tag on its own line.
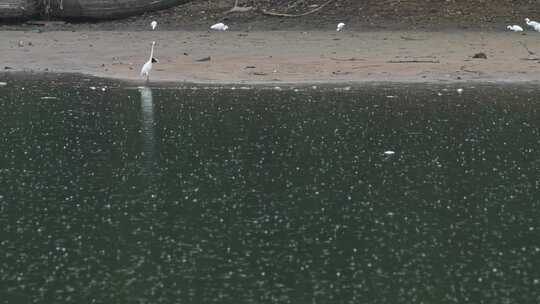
<point x="82" y="9"/>
<point x="18" y="8"/>
<point x="107" y="9"/>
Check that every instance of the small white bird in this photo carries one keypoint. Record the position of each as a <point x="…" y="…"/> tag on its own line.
<point x="340" y="26"/>
<point x="535" y="25"/>
<point x="147" y="67"/>
<point x="219" y="27"/>
<point x="153" y="25"/>
<point x="515" y="28"/>
<point x="389" y="152"/>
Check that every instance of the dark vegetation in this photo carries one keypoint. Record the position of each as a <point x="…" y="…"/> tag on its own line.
<point x="324" y="14"/>
<point x="358" y="14"/>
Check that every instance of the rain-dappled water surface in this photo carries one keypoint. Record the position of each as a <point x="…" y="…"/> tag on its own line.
<point x="111" y="194"/>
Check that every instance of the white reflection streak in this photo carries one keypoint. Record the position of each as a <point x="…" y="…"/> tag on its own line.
<point x="147" y="130"/>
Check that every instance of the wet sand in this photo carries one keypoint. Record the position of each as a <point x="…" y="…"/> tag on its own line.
<point x="278" y="56"/>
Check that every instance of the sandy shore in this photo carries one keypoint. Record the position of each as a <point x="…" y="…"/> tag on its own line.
<point x="278" y="57"/>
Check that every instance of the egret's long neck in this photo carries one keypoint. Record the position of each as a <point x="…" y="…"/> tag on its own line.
<point x="152" y="52"/>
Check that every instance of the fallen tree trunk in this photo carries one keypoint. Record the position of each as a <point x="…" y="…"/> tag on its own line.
<point x="107" y="9"/>
<point x="11" y="9"/>
<point x="81" y="9"/>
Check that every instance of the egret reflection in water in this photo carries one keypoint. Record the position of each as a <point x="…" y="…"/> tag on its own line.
<point x="147" y="128"/>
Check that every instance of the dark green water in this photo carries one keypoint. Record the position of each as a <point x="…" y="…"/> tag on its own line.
<point x="168" y="195"/>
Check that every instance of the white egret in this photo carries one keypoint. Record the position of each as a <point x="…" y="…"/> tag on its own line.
<point x="147" y="67"/>
<point x="515" y="28"/>
<point x="340" y="26"/>
<point x="219" y="27"/>
<point x="153" y="25"/>
<point x="535" y="25"/>
<point x="389" y="152"/>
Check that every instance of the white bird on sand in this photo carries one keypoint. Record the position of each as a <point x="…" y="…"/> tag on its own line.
<point x="535" y="25"/>
<point x="219" y="27"/>
<point x="515" y="28"/>
<point x="153" y="25"/>
<point x="147" y="67"/>
<point x="340" y="26"/>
